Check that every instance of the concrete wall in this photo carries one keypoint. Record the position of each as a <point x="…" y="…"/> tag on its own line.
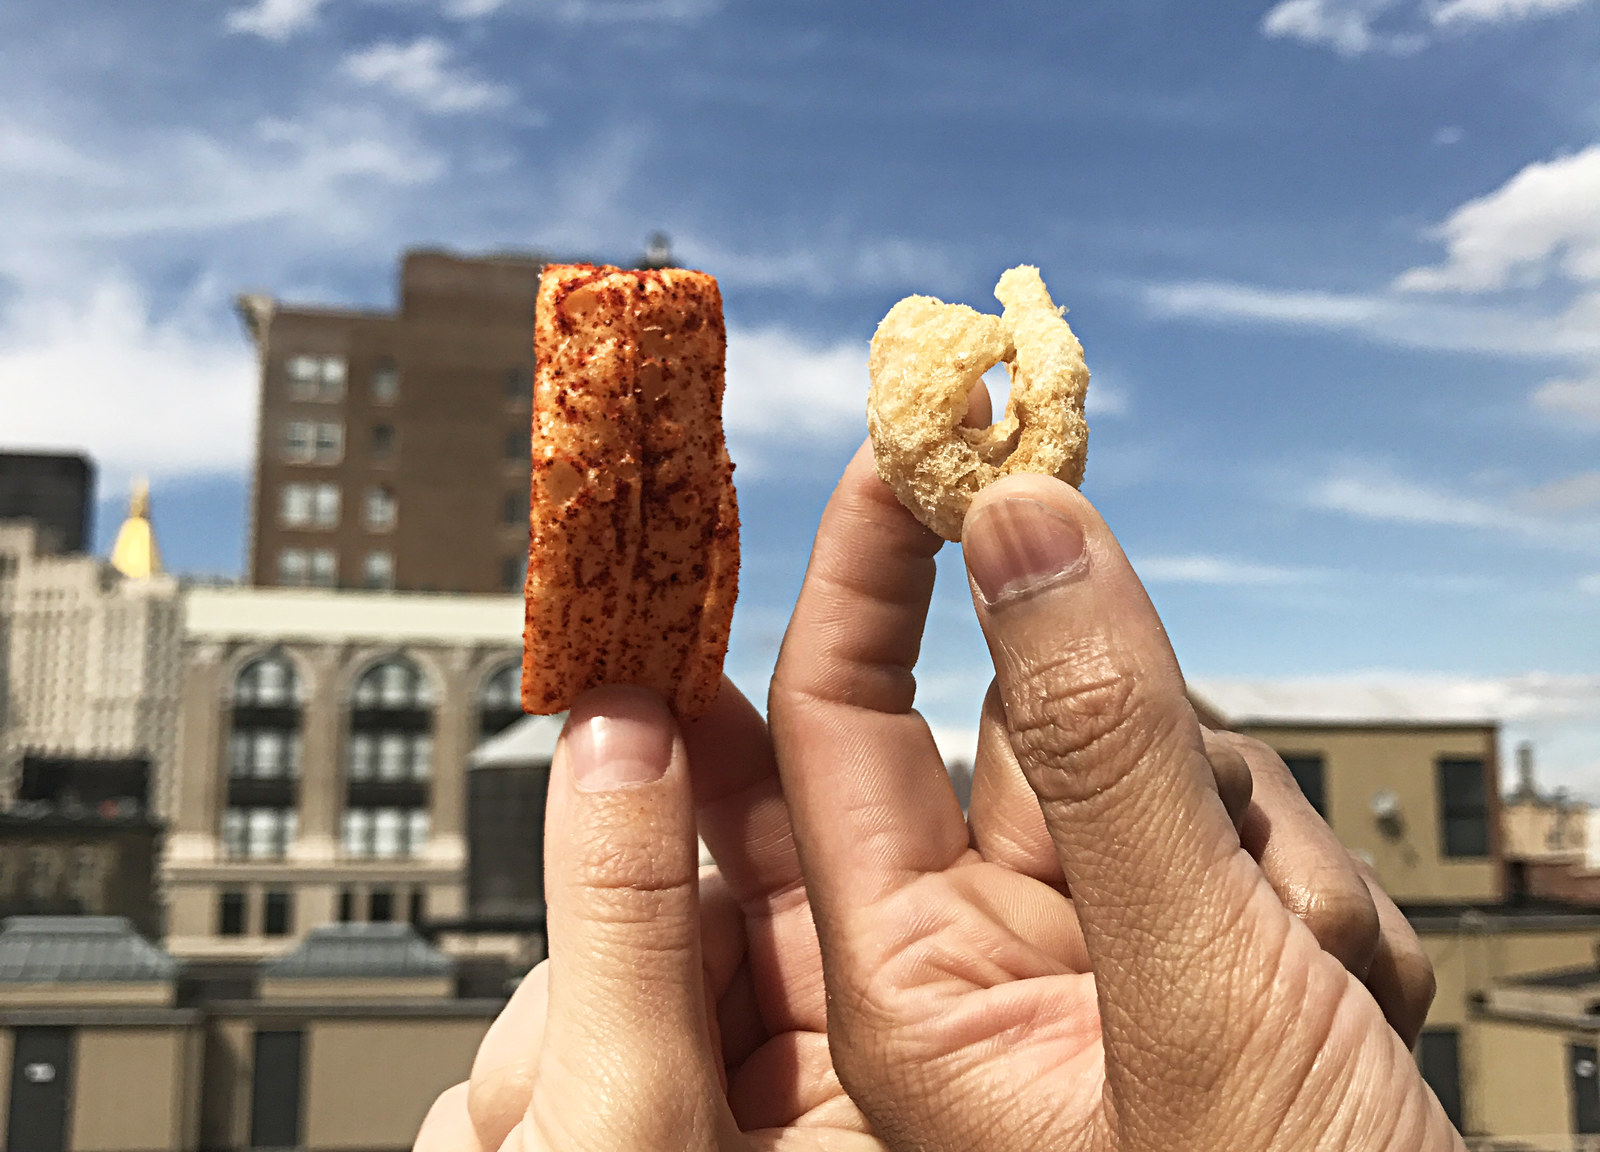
<point x="132" y="1090"/>
<point x="1358" y="762"/>
<point x="356" y="1102"/>
<point x="1522" y="1090"/>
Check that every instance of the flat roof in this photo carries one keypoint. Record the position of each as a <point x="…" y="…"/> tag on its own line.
<point x="1420" y="702"/>
<point x="361" y="952"/>
<point x="222" y="613"/>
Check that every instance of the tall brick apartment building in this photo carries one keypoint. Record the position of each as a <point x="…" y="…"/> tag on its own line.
<point x="392" y="450"/>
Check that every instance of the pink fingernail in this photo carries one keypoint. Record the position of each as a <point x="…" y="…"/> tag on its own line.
<point x="1016" y="545"/>
<point x="626" y="739"/>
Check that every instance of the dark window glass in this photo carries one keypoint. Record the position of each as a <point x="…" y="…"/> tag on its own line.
<point x="1439" y="1054"/>
<point x="513" y="570"/>
<point x="517" y="447"/>
<point x="382" y="440"/>
<point x="1307" y="772"/>
<point x="276" y="914"/>
<point x="230" y="914"/>
<point x="347" y="905"/>
<point x="515" y="509"/>
<point x="380" y="906"/>
<point x="419" y="905"/>
<point x="500" y="700"/>
<point x="519" y="384"/>
<point x="1463" y="807"/>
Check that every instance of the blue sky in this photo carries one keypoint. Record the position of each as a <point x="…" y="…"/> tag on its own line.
<point x="1336" y="265"/>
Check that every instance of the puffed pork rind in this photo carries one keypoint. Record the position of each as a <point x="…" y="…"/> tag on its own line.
<point x="927" y="356"/>
<point x="634" y="552"/>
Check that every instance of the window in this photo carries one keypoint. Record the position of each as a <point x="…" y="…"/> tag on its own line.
<point x="382" y="441"/>
<point x="513" y="571"/>
<point x="277" y="913"/>
<point x="1306" y="768"/>
<point x="1439" y="1055"/>
<point x="390" y="755"/>
<point x="258" y="833"/>
<point x="388" y="762"/>
<point x="263" y="753"/>
<point x="378" y="570"/>
<point x="324" y="568"/>
<point x="514" y="510"/>
<point x="517" y="446"/>
<point x="315" y="377"/>
<point x="347" y="905"/>
<point x="293" y="567"/>
<point x="300" y="568"/>
<point x="309" y="442"/>
<point x="381" y="510"/>
<point x="419" y="905"/>
<point x="1463" y="807"/>
<point x="500" y="701"/>
<point x="385" y="382"/>
<point x="230" y="913"/>
<point x="519" y="385"/>
<point x="380" y="905"/>
<point x="309" y="506"/>
<point x="269" y="682"/>
<point x="384" y="833"/>
<point x="395" y="685"/>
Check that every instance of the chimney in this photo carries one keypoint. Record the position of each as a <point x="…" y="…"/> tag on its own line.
<point x="1525" y="784"/>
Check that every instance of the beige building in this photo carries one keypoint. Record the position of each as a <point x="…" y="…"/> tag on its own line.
<point x="1417" y="796"/>
<point x="392" y="448"/>
<point x="323" y="743"/>
<point x="88" y="662"/>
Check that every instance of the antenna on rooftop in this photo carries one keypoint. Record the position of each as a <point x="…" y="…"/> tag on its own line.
<point x="658" y="252"/>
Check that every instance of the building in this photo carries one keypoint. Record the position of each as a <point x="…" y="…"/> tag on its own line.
<point x="88" y="665"/>
<point x="392" y="448"/>
<point x="323" y="750"/>
<point x="341" y="1044"/>
<point x="1416" y="795"/>
<point x="53" y="490"/>
<point x="1540" y="826"/>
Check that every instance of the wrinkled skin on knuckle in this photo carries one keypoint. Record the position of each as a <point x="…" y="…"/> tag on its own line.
<point x="1343" y="918"/>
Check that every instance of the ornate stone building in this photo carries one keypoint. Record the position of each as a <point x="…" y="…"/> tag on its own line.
<point x="323" y="742"/>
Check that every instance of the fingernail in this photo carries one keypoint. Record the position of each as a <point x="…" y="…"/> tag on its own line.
<point x="629" y="743"/>
<point x="1016" y="546"/>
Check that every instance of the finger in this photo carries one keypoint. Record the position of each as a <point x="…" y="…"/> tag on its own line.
<point x="1104" y="733"/>
<point x="744" y="820"/>
<point x="1232" y="773"/>
<point x="446" y="1127"/>
<point x="503" y="1070"/>
<point x="871" y="802"/>
<point x="1313" y="874"/>
<point x="980" y="407"/>
<point x="1401" y="976"/>
<point x="626" y="980"/>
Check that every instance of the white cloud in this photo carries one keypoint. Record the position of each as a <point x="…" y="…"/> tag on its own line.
<point x="472" y="9"/>
<point x="1546" y="217"/>
<point x="1571" y="399"/>
<point x="781" y="387"/>
<point x="142" y="395"/>
<point x="1346" y="26"/>
<point x="274" y="19"/>
<point x="421" y="72"/>
<point x="1589" y="585"/>
<point x="1568" y="494"/>
<point x="1449" y="134"/>
<point x="1219" y="571"/>
<point x="1373" y="493"/>
<point x="1498" y="11"/>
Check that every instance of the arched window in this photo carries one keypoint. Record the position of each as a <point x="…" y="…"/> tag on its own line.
<point x="500" y="701"/>
<point x="388" y="761"/>
<point x="259" y="821"/>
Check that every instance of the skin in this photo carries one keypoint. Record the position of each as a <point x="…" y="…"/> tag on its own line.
<point x="1181" y="949"/>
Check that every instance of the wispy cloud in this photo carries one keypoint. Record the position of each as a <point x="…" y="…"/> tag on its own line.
<point x="423" y="72"/>
<point x="274" y="19"/>
<point x="1396" y="27"/>
<point x="1577" y="493"/>
<point x="1220" y="571"/>
<point x="1571" y="399"/>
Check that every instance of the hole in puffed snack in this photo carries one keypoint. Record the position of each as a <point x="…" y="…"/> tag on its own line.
<point x="998" y="381"/>
<point x="562" y="481"/>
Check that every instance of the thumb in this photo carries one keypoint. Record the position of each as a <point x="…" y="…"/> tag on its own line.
<point x="1102" y="729"/>
<point x="625" y="1044"/>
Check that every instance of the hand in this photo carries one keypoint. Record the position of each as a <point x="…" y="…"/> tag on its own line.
<point x="1174" y="999"/>
<point x="677" y="1012"/>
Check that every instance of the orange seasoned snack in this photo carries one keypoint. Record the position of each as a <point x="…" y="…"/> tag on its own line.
<point x="634" y="564"/>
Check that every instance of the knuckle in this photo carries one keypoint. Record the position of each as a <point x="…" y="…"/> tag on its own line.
<point x="1344" y="920"/>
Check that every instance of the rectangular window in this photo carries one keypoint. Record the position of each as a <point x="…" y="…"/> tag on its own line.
<point x="294" y="508"/>
<point x="276" y="914"/>
<point x="324" y="568"/>
<point x="329" y="446"/>
<point x="1306" y="768"/>
<point x="382" y="441"/>
<point x="513" y="571"/>
<point x="294" y="568"/>
<point x="388" y="833"/>
<point x="363" y="756"/>
<point x="1463" y="807"/>
<point x="325" y="500"/>
<point x="315" y="377"/>
<point x="299" y="439"/>
<point x="233" y="833"/>
<point x="519" y="385"/>
<point x="1439" y="1055"/>
<point x="230" y="913"/>
<point x="382" y="510"/>
<point x="347" y="905"/>
<point x="385" y="833"/>
<point x="514" y="512"/>
<point x="378" y="570"/>
<point x="419" y="905"/>
<point x="357" y="837"/>
<point x="385" y="382"/>
<point x="517" y="446"/>
<point x="380" y="905"/>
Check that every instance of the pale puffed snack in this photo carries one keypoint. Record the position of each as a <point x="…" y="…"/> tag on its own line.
<point x="633" y="564"/>
<point x="927" y="356"/>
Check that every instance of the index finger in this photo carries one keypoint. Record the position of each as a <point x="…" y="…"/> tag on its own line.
<point x="868" y="793"/>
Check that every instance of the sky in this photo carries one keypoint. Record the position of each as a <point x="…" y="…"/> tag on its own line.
<point x="1335" y="265"/>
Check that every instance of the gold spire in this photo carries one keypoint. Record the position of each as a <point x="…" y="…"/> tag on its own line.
<point x="135" y="554"/>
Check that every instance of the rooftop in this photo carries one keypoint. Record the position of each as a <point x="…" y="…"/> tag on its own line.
<point x="531" y="740"/>
<point x="360" y="951"/>
<point x="1417" y="701"/>
<point x="328" y="614"/>
<point x="79" y="949"/>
